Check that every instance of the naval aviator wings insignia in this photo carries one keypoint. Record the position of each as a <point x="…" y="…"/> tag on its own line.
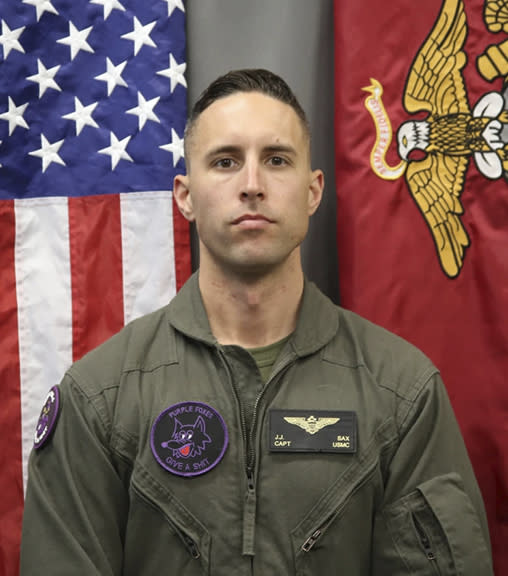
<point x="311" y="424"/>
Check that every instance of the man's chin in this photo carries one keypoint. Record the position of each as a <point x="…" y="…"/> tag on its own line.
<point x="255" y="266"/>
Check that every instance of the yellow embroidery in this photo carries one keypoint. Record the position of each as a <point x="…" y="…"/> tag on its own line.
<point x="311" y="425"/>
<point x="451" y="133"/>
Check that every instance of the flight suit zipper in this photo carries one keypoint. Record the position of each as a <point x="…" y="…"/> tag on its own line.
<point x="249" y="515"/>
<point x="187" y="541"/>
<point x="426" y="544"/>
<point x="285" y="362"/>
<point x="249" y="507"/>
<point x="318" y="532"/>
<point x="370" y="463"/>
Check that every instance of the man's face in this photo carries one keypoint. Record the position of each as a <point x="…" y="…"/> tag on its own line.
<point x="250" y="188"/>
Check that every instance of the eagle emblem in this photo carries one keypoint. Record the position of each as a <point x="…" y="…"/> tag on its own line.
<point x="448" y="137"/>
<point x="311" y="425"/>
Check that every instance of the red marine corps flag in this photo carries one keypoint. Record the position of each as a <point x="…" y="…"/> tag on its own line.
<point x="92" y="113"/>
<point x="422" y="165"/>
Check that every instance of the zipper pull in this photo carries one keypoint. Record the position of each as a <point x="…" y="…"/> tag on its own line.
<point x="191" y="546"/>
<point x="250" y="480"/>
<point x="311" y="540"/>
<point x="427" y="547"/>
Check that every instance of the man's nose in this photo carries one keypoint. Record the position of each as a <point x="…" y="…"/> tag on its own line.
<point x="252" y="185"/>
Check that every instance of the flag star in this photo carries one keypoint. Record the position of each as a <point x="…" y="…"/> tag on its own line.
<point x="9" y="39"/>
<point x="175" y="147"/>
<point x="175" y="73"/>
<point x="172" y="4"/>
<point x="45" y="78"/>
<point x="113" y="75"/>
<point x="41" y="6"/>
<point x="48" y="152"/>
<point x="141" y="35"/>
<point x="116" y="150"/>
<point x="14" y="115"/>
<point x="144" y="110"/>
<point x="82" y="115"/>
<point x="109" y="6"/>
<point x="77" y="40"/>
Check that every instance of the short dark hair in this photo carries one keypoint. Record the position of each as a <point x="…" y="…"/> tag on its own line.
<point x="246" y="80"/>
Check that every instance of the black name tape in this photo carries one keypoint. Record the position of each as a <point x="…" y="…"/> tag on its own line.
<point x="312" y="431"/>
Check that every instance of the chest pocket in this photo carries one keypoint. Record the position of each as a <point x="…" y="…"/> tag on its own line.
<point x="432" y="531"/>
<point x="161" y="534"/>
<point x="335" y="536"/>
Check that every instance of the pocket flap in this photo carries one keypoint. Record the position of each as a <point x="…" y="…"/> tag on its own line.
<point x="433" y="530"/>
<point x="459" y="521"/>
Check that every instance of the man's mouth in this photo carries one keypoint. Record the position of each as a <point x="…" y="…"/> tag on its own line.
<point x="252" y="218"/>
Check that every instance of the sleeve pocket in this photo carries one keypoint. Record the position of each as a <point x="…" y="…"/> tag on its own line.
<point x="432" y="531"/>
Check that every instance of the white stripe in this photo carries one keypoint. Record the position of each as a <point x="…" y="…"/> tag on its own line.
<point x="43" y="287"/>
<point x="149" y="279"/>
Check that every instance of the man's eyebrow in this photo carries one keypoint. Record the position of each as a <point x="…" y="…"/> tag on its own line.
<point x="226" y="149"/>
<point x="235" y="150"/>
<point x="285" y="148"/>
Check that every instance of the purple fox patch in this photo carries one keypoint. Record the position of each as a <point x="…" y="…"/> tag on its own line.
<point x="189" y="439"/>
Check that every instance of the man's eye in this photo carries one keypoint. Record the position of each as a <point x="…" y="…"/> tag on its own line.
<point x="277" y="161"/>
<point x="224" y="163"/>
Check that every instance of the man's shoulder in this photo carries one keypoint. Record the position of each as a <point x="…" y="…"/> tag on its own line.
<point x="144" y="344"/>
<point x="389" y="359"/>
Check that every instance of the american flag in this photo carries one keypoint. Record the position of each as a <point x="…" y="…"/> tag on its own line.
<point x="92" y="114"/>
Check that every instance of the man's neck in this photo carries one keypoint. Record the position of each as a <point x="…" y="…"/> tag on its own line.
<point x="254" y="312"/>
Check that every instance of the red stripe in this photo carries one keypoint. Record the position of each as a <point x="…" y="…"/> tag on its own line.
<point x="96" y="270"/>
<point x="11" y="474"/>
<point x="181" y="234"/>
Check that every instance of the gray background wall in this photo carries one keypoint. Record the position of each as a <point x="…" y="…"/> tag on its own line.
<point x="293" y="38"/>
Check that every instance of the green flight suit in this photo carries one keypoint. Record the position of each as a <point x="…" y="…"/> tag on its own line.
<point x="400" y="499"/>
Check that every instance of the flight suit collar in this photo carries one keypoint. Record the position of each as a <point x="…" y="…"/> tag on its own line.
<point x="317" y="324"/>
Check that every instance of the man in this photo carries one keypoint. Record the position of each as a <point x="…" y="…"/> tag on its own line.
<point x="251" y="426"/>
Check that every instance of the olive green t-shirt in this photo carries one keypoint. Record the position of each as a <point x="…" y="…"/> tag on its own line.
<point x="265" y="357"/>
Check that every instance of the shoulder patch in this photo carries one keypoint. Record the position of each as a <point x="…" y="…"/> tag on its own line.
<point x="47" y="418"/>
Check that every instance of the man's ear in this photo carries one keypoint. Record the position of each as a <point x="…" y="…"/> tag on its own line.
<point x="182" y="196"/>
<point x="316" y="187"/>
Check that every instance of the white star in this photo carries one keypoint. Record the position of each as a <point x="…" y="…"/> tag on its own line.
<point x="172" y="4"/>
<point x="175" y="147"/>
<point x="77" y="40"/>
<point x="82" y="115"/>
<point x="45" y="78"/>
<point x="108" y="5"/>
<point x="9" y="39"/>
<point x="14" y="116"/>
<point x="141" y="35"/>
<point x="144" y="110"/>
<point x="117" y="150"/>
<point x="48" y="152"/>
<point x="175" y="73"/>
<point x="41" y="6"/>
<point x="113" y="75"/>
